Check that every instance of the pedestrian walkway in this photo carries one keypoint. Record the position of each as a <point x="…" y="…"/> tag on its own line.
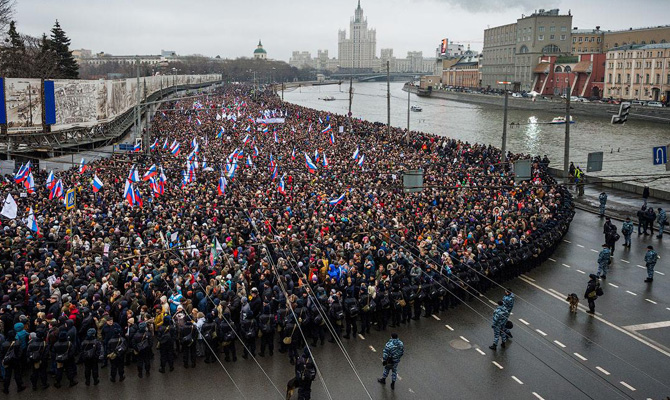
<point x="620" y="204"/>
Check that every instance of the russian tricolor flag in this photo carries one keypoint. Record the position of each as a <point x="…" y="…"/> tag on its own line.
<point x="22" y="173"/>
<point x="31" y="223"/>
<point x="165" y="145"/>
<point x="274" y="173"/>
<point x="138" y="147"/>
<point x="129" y="193"/>
<point x="327" y="129"/>
<point x="360" y="161"/>
<point x="153" y="145"/>
<point x="82" y="166"/>
<point x="325" y="161"/>
<point x="282" y="186"/>
<point x="56" y="190"/>
<point x="151" y="172"/>
<point x="133" y="175"/>
<point x="175" y="149"/>
<point x="221" y="188"/>
<point x="249" y="162"/>
<point x="311" y="167"/>
<point x="332" y="138"/>
<point x="337" y="201"/>
<point x="355" y="157"/>
<point x="96" y="183"/>
<point x="50" y="180"/>
<point x="29" y="183"/>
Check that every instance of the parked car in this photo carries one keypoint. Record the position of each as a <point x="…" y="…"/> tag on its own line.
<point x="655" y="104"/>
<point x="517" y="95"/>
<point x="582" y="100"/>
<point x="637" y="103"/>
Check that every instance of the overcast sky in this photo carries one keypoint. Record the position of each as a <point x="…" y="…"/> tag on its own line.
<point x="232" y="28"/>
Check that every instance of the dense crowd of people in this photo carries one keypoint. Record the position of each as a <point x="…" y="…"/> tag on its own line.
<point x="282" y="257"/>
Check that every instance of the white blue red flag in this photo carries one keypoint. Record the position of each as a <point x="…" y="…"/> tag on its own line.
<point x="31" y="223"/>
<point x="337" y="201"/>
<point x="151" y="172"/>
<point x="82" y="166"/>
<point x="96" y="183"/>
<point x="311" y="167"/>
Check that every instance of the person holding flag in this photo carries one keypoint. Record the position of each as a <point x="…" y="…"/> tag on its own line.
<point x="96" y="183"/>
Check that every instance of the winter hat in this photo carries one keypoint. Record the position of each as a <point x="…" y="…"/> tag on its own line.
<point x="91" y="332"/>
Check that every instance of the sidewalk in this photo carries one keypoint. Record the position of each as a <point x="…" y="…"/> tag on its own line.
<point x="620" y="204"/>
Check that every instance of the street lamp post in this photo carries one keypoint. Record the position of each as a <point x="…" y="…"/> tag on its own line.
<point x="503" y="149"/>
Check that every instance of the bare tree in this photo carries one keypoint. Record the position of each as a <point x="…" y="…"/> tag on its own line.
<point x="6" y="14"/>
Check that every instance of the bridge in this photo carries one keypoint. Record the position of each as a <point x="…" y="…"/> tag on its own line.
<point x="378" y="76"/>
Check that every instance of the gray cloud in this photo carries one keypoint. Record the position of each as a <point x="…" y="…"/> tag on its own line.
<point x="497" y="6"/>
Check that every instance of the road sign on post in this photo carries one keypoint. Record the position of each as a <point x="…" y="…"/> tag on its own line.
<point x="595" y="162"/>
<point x="660" y="155"/>
<point x="522" y="170"/>
<point x="412" y="180"/>
<point x="70" y="199"/>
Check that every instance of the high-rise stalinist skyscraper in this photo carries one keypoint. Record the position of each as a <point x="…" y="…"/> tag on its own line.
<point x="359" y="50"/>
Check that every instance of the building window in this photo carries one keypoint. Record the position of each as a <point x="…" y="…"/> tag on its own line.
<point x="627" y="78"/>
<point x="627" y="90"/>
<point x="580" y="39"/>
<point x="540" y="37"/>
<point x="637" y="92"/>
<point x="552" y="37"/>
<point x="551" y="49"/>
<point x="598" y="40"/>
<point x="618" y="78"/>
<point x="558" y="69"/>
<point x="646" y="78"/>
<point x="540" y="29"/>
<point x="574" y="39"/>
<point x="523" y="49"/>
<point x="637" y="78"/>
<point x="609" y="78"/>
<point x="658" y="79"/>
<point x="567" y="69"/>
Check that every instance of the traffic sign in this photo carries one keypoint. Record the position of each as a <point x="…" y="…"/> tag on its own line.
<point x="70" y="199"/>
<point x="595" y="162"/>
<point x="660" y="155"/>
<point x="522" y="170"/>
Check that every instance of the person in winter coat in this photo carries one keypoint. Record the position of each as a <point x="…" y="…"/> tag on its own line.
<point x="500" y="316"/>
<point x="91" y="352"/>
<point x="305" y="373"/>
<point x="650" y="259"/>
<point x="187" y="337"/>
<point x="167" y="335"/>
<point x="603" y="202"/>
<point x="10" y="354"/>
<point x="142" y="342"/>
<point x="660" y="219"/>
<point x="627" y="230"/>
<point x="591" y="293"/>
<point x="508" y="302"/>
<point x="393" y="351"/>
<point x="267" y="325"/>
<point x="64" y="351"/>
<point x="116" y="352"/>
<point x="604" y="261"/>
<point x="38" y="359"/>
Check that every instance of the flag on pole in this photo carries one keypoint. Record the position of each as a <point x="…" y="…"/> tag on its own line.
<point x="216" y="250"/>
<point x="82" y="166"/>
<point x="337" y="201"/>
<point x="165" y="144"/>
<point x="332" y="138"/>
<point x="50" y="180"/>
<point x="29" y="183"/>
<point x="325" y="161"/>
<point x="152" y="147"/>
<point x="311" y="167"/>
<point x="56" y="190"/>
<point x="31" y="223"/>
<point x="22" y="173"/>
<point x="361" y="160"/>
<point x="151" y="172"/>
<point x="355" y="157"/>
<point x="138" y="147"/>
<point x="96" y="183"/>
<point x="221" y="188"/>
<point x="133" y="175"/>
<point x="249" y="162"/>
<point x="327" y="129"/>
<point x="10" y="208"/>
<point x="282" y="186"/>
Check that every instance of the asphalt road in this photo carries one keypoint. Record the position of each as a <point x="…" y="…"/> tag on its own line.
<point x="553" y="355"/>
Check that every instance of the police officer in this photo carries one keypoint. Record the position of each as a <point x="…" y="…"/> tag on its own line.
<point x="64" y="351"/>
<point x="116" y="352"/>
<point x="166" y="336"/>
<point x="351" y="312"/>
<point x="603" y="262"/>
<point x="142" y="342"/>
<point x="500" y="316"/>
<point x="268" y="325"/>
<point x="393" y="351"/>
<point x="38" y="359"/>
<point x="11" y="358"/>
<point x="228" y="337"/>
<point x="660" y="218"/>
<point x="187" y="338"/>
<point x="305" y="373"/>
<point x="627" y="230"/>
<point x="91" y="353"/>
<point x="591" y="293"/>
<point x="249" y="330"/>
<point x="209" y="335"/>
<point x="367" y="306"/>
<point x="603" y="203"/>
<point x="508" y="302"/>
<point x="650" y="259"/>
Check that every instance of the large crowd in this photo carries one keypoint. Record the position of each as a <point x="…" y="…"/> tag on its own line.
<point x="283" y="256"/>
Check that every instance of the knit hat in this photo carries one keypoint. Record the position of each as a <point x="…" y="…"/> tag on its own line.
<point x="91" y="332"/>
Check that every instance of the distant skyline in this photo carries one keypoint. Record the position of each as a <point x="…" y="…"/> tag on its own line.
<point x="232" y="29"/>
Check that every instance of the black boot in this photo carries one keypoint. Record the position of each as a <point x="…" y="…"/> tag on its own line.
<point x="392" y="385"/>
<point x="382" y="381"/>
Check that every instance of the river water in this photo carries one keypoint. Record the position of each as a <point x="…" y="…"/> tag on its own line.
<point x="628" y="149"/>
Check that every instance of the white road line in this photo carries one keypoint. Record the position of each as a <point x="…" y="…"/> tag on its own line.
<point x="493" y="302"/>
<point x="632" y="389"/>
<point x="579" y="245"/>
<point x="361" y="336"/>
<point x="464" y="339"/>
<point x="566" y="265"/>
<point x="538" y="396"/>
<point x="435" y="316"/>
<point x="604" y="371"/>
<point x="642" y="340"/>
<point x="410" y="390"/>
<point x="497" y="365"/>
<point x="594" y="250"/>
<point x="651" y="325"/>
<point x="559" y="343"/>
<point x="551" y="259"/>
<point x="667" y="308"/>
<point x="580" y="271"/>
<point x="639" y="266"/>
<point x="629" y="292"/>
<point x="581" y="357"/>
<point x="613" y="285"/>
<point x="528" y="277"/>
<point x="567" y="241"/>
<point x="660" y="273"/>
<point x="517" y="380"/>
<point x="540" y="332"/>
<point x="450" y="328"/>
<point x="373" y="349"/>
<point x="651" y="301"/>
<point x="480" y="351"/>
<point x="626" y="261"/>
<point x="523" y="321"/>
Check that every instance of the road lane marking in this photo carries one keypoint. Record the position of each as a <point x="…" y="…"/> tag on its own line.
<point x="579" y="245"/>
<point x="517" y="380"/>
<point x="594" y="250"/>
<point x="626" y="261"/>
<point x="557" y="292"/>
<point x="580" y="271"/>
<point x="581" y="357"/>
<point x="450" y="328"/>
<point x="651" y="301"/>
<point x="566" y="265"/>
<point x="567" y="241"/>
<point x="632" y="389"/>
<point x="629" y="292"/>
<point x="528" y="277"/>
<point x="540" y="332"/>
<point x="493" y="302"/>
<point x="435" y="316"/>
<point x="604" y="371"/>
<point x="373" y="349"/>
<point x="538" y="396"/>
<point x="410" y="390"/>
<point x="551" y="259"/>
<point x="651" y="325"/>
<point x="559" y="343"/>
<point x="361" y="336"/>
<point x="613" y="285"/>
<point x="660" y="273"/>
<point x="639" y="266"/>
<point x="464" y="339"/>
<point x="497" y="365"/>
<point x="523" y="321"/>
<point x="480" y="351"/>
<point x="659" y="348"/>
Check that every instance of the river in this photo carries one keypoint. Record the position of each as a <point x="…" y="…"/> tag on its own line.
<point x="627" y="149"/>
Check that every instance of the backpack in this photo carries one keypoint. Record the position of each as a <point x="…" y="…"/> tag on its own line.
<point x="89" y="353"/>
<point x="250" y="332"/>
<point x="353" y="310"/>
<point x="121" y="347"/>
<point x="229" y="336"/>
<point x="64" y="356"/>
<point x="36" y="355"/>
<point x="165" y="336"/>
<point x="187" y="340"/>
<point x="143" y="344"/>
<point x="385" y="301"/>
<point x="599" y="291"/>
<point x="308" y="371"/>
<point x="11" y="355"/>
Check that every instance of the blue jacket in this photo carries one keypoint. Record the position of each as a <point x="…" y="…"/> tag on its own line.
<point x="508" y="302"/>
<point x="500" y="316"/>
<point x="649" y="258"/>
<point x="604" y="256"/>
<point x="603" y="198"/>
<point x="394" y="349"/>
<point x="21" y="335"/>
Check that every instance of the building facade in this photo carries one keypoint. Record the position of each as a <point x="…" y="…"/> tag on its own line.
<point x="640" y="72"/>
<point x="358" y="51"/>
<point x="642" y="36"/>
<point x="581" y="75"/>
<point x="498" y="55"/>
<point x="587" y="41"/>
<point x="260" y="53"/>
<point x="301" y="59"/>
<point x="463" y="74"/>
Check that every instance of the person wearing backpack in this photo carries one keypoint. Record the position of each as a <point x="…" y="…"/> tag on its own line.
<point x="64" y="351"/>
<point x="38" y="359"/>
<point x="11" y="356"/>
<point x="166" y="339"/>
<point x="187" y="337"/>
<point x="351" y="311"/>
<point x="227" y="335"/>
<point x="141" y="343"/>
<point x="91" y="353"/>
<point x="305" y="373"/>
<point x="268" y="326"/>
<point x="593" y="290"/>
<point x="116" y="352"/>
<point x="209" y="336"/>
<point x="249" y="330"/>
<point x="336" y="314"/>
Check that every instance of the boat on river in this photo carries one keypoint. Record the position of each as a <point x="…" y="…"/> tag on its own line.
<point x="416" y="108"/>
<point x="328" y="98"/>
<point x="560" y="121"/>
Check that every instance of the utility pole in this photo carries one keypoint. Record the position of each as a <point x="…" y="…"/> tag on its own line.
<point x="409" y="90"/>
<point x="503" y="149"/>
<point x="137" y="106"/>
<point x="351" y="98"/>
<point x="566" y="150"/>
<point x="388" y="98"/>
<point x="282" y="91"/>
